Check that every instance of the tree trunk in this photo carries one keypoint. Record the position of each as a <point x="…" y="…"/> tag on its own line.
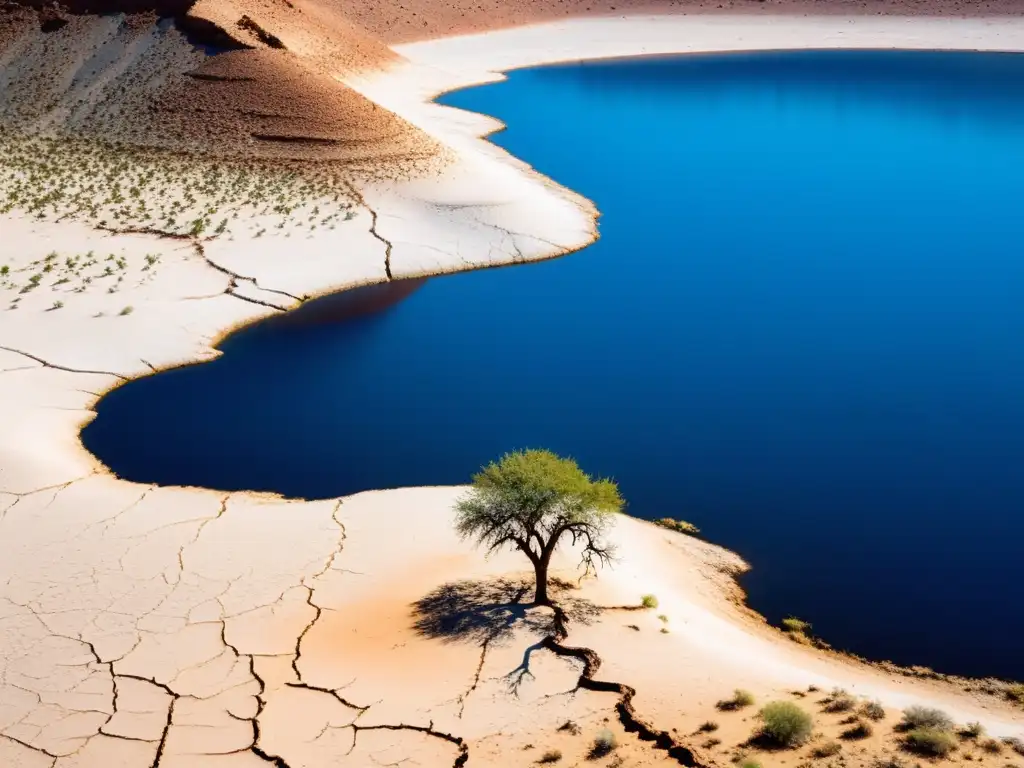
<point x="541" y="593"/>
<point x="541" y="569"/>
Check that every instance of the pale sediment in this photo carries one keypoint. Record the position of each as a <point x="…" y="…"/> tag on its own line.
<point x="150" y="626"/>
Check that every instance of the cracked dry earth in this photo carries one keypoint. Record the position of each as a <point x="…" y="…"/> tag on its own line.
<point x="158" y="627"/>
<point x="152" y="626"/>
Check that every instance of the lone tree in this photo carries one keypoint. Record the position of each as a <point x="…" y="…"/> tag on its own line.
<point x="530" y="500"/>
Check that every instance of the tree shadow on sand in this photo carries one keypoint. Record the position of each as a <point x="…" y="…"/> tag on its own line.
<point x="478" y="611"/>
<point x="485" y="613"/>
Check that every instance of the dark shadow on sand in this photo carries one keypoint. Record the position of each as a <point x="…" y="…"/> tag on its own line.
<point x="478" y="611"/>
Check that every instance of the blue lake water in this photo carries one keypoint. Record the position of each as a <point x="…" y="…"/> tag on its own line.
<point x="802" y="329"/>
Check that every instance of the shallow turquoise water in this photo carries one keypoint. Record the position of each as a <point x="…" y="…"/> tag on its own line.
<point x="801" y="330"/>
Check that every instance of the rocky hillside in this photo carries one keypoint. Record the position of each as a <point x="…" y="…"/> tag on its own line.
<point x="251" y="77"/>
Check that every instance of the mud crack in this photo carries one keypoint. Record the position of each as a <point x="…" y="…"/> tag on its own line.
<point x="48" y="364"/>
<point x="373" y="228"/>
<point x="235" y="278"/>
<point x="461" y="757"/>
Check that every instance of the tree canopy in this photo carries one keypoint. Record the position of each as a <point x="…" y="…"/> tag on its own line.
<point x="529" y="500"/>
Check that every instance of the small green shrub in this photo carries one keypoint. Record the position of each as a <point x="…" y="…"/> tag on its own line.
<point x="679" y="526"/>
<point x="873" y="710"/>
<point x="786" y="724"/>
<point x="663" y="618"/>
<point x="740" y="698"/>
<point x="5" y="271"/>
<point x="649" y="601"/>
<point x="1016" y="693"/>
<point x="551" y="756"/>
<point x="750" y="764"/>
<point x="972" y="731"/>
<point x="604" y="743"/>
<point x="126" y="311"/>
<point x="925" y="717"/>
<point x="931" y="742"/>
<point x="793" y="625"/>
<point x="828" y="749"/>
<point x="58" y="304"/>
<point x="839" y="700"/>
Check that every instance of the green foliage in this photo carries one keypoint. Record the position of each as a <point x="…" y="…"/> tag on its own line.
<point x="828" y="749"/>
<point x="740" y="698"/>
<point x="604" y="743"/>
<point x="925" y="717"/>
<point x="679" y="526"/>
<point x="794" y="625"/>
<point x="58" y="304"/>
<point x="786" y="724"/>
<point x="5" y="271"/>
<point x="1016" y="693"/>
<point x="126" y="311"/>
<point x="530" y="500"/>
<point x="649" y="601"/>
<point x="750" y="764"/>
<point x="932" y="742"/>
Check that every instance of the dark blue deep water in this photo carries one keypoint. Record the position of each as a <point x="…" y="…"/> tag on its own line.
<point x="802" y="330"/>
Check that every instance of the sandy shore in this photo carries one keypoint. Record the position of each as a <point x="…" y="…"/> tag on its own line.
<point x="180" y="628"/>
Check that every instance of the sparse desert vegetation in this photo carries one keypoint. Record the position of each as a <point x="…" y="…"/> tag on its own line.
<point x="121" y="188"/>
<point x="1016" y="744"/>
<point x="1015" y="693"/>
<point x="828" y="749"/>
<point x="930" y="742"/>
<point x="925" y="717"/>
<point x="873" y="710"/>
<point x="740" y="698"/>
<point x="798" y="630"/>
<point x="604" y="743"/>
<point x="679" y="526"/>
<point x="858" y="730"/>
<point x="69" y="274"/>
<point x="785" y="724"/>
<point x="840" y="700"/>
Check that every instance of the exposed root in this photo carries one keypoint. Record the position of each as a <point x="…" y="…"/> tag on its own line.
<point x="631" y="721"/>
